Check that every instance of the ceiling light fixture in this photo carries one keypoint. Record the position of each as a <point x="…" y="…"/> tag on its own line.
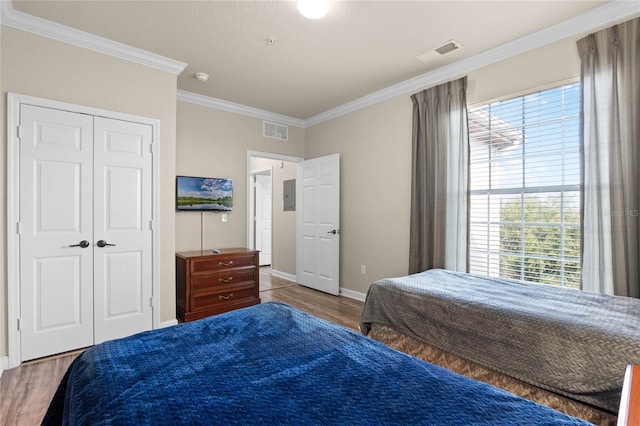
<point x="313" y="9"/>
<point x="202" y="76"/>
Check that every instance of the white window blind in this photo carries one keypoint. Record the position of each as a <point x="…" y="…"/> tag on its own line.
<point x="524" y="218"/>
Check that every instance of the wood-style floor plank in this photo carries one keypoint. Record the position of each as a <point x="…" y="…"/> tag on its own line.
<point x="25" y="391"/>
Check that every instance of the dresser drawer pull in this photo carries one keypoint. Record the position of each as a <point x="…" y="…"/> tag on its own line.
<point x="229" y="263"/>
<point x="227" y="297"/>
<point x="222" y="280"/>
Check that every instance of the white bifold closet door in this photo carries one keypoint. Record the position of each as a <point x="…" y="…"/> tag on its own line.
<point x="85" y="230"/>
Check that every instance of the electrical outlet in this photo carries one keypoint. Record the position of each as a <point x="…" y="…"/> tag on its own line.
<point x="363" y="269"/>
<point x="224" y="217"/>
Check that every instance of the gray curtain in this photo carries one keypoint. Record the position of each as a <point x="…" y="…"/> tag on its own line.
<point x="439" y="183"/>
<point x="610" y="77"/>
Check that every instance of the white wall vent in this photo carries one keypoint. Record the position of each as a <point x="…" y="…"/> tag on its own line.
<point x="275" y="130"/>
<point x="448" y="47"/>
<point x="443" y="49"/>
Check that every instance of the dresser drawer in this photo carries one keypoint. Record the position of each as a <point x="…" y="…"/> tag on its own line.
<point x="205" y="282"/>
<point x="218" y="262"/>
<point x="224" y="295"/>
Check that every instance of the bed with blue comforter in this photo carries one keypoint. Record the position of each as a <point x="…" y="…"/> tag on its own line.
<point x="274" y="364"/>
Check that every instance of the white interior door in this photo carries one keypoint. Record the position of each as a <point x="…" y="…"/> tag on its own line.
<point x="263" y="223"/>
<point x="55" y="231"/>
<point x="122" y="228"/>
<point x="318" y="224"/>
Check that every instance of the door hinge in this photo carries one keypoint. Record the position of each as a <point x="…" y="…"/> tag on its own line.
<point x="152" y="302"/>
<point x="152" y="148"/>
<point x="18" y="228"/>
<point x="152" y="225"/>
<point x="19" y="131"/>
<point x="19" y="325"/>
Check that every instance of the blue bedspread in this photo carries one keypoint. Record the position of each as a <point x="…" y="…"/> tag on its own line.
<point x="273" y="364"/>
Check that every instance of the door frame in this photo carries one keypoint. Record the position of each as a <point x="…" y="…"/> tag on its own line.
<point x="14" y="101"/>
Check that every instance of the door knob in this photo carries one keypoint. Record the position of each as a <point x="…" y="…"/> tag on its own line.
<point x="334" y="232"/>
<point x="103" y="243"/>
<point x="82" y="244"/>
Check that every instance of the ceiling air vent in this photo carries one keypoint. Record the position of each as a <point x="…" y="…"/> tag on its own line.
<point x="275" y="130"/>
<point x="448" y="47"/>
<point x="444" y="49"/>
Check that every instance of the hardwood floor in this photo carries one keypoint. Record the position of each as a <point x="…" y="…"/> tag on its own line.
<point x="338" y="309"/>
<point x="25" y="391"/>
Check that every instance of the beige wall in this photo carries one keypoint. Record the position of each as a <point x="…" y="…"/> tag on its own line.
<point x="214" y="143"/>
<point x="537" y="69"/>
<point x="37" y="66"/>
<point x="375" y="144"/>
<point x="284" y="222"/>
<point x="375" y="177"/>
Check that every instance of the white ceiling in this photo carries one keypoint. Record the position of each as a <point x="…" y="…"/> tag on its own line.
<point x="360" y="47"/>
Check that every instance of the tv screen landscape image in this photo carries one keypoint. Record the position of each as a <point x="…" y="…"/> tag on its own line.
<point x="201" y="194"/>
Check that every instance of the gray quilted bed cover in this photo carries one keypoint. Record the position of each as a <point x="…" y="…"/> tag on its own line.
<point x="572" y="342"/>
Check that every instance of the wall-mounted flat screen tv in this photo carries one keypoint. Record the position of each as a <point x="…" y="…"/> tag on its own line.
<point x="203" y="194"/>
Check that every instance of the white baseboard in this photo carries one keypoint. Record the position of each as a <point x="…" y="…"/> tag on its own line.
<point x="353" y="294"/>
<point x="4" y="364"/>
<point x="168" y="323"/>
<point x="283" y="275"/>
<point x="343" y="291"/>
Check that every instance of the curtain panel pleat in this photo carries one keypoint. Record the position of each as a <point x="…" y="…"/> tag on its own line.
<point x="439" y="182"/>
<point x="610" y="77"/>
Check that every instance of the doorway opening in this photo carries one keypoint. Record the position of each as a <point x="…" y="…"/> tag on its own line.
<point x="270" y="228"/>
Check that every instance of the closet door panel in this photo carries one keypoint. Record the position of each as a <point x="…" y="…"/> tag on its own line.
<point x="122" y="221"/>
<point x="55" y="202"/>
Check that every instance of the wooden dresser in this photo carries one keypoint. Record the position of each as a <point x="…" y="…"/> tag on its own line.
<point x="210" y="283"/>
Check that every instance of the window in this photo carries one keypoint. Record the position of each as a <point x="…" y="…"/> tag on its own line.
<point x="524" y="218"/>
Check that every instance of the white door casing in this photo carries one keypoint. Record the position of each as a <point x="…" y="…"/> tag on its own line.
<point x="56" y="155"/>
<point x="122" y="217"/>
<point x="263" y="215"/>
<point x="318" y="224"/>
<point x="50" y="172"/>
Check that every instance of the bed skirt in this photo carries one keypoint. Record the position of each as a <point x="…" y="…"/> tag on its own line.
<point x="422" y="350"/>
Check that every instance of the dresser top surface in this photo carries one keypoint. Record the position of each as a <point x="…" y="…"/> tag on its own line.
<point x="223" y="251"/>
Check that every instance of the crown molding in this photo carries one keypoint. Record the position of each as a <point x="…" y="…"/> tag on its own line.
<point x="23" y="21"/>
<point x="608" y="14"/>
<point x="210" y="102"/>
